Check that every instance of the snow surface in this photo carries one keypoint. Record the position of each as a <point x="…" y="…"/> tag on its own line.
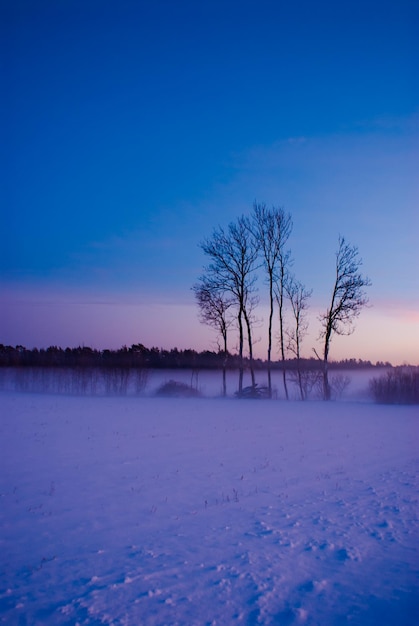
<point x="145" y="511"/>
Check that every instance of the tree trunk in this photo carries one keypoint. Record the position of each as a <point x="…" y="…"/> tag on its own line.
<point x="300" y="382"/>
<point x="225" y="364"/>
<point x="284" y="379"/>
<point x="326" y="385"/>
<point x="281" y="330"/>
<point x="249" y="338"/>
<point x="271" y="313"/>
<point x="240" y="350"/>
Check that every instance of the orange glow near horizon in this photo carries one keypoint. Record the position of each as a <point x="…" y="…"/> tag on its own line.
<point x="382" y="333"/>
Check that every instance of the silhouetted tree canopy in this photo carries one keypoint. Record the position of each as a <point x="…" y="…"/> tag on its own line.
<point x="138" y="356"/>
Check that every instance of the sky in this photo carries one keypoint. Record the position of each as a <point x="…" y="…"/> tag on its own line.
<point x="131" y="129"/>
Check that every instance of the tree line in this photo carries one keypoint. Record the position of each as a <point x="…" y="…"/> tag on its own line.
<point x="227" y="293"/>
<point x="138" y="356"/>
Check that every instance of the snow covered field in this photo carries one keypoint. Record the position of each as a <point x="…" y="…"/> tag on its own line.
<point x="146" y="511"/>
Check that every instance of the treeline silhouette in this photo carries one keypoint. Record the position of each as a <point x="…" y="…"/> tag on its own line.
<point x="139" y="357"/>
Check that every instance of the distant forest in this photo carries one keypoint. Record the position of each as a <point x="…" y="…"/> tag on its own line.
<point x="138" y="356"/>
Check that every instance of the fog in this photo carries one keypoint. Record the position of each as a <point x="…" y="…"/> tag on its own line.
<point x="347" y="384"/>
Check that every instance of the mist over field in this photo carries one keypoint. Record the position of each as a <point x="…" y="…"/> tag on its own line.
<point x="351" y="384"/>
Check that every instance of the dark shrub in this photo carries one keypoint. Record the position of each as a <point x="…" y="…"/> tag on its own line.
<point x="399" y="386"/>
<point x="175" y="389"/>
<point x="253" y="391"/>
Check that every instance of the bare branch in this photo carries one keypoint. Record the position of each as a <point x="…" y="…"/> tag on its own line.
<point x="298" y="297"/>
<point x="230" y="273"/>
<point x="348" y="299"/>
<point x="271" y="229"/>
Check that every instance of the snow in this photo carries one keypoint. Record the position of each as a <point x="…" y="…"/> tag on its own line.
<point x="151" y="511"/>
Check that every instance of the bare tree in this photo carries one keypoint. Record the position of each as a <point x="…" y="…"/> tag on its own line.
<point x="214" y="306"/>
<point x="280" y="295"/>
<point x="233" y="254"/>
<point x="272" y="228"/>
<point x="298" y="296"/>
<point x="348" y="298"/>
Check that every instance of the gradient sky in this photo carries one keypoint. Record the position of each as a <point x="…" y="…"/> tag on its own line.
<point x="130" y="129"/>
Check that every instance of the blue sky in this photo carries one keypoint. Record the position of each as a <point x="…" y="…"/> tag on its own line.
<point x="131" y="129"/>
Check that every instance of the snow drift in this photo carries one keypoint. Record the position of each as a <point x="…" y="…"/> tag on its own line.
<point x="169" y="511"/>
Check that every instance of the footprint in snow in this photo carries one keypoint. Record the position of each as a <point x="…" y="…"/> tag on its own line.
<point x="341" y="554"/>
<point x="347" y="554"/>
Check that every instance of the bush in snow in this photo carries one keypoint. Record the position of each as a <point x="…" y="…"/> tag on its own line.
<point x="175" y="389"/>
<point x="253" y="391"/>
<point x="398" y="386"/>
